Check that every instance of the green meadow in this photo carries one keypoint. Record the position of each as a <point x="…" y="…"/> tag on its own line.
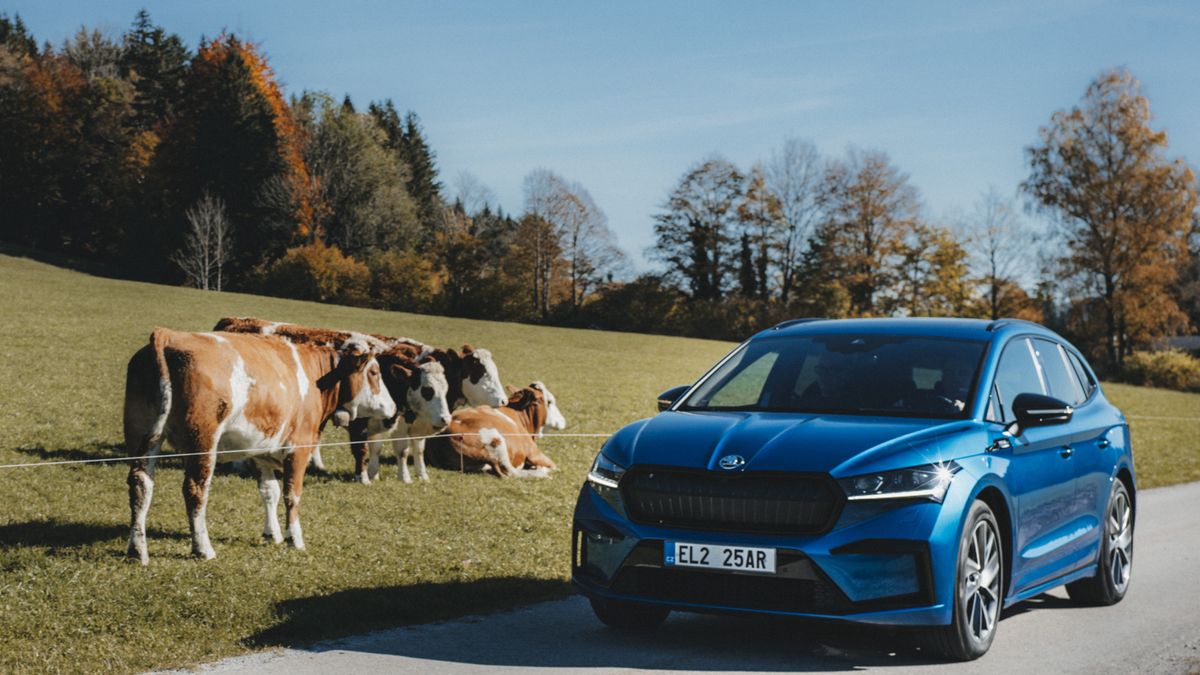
<point x="378" y="555"/>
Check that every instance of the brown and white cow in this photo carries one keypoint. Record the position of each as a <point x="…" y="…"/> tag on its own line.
<point x="220" y="397"/>
<point x="501" y="440"/>
<point x="412" y="374"/>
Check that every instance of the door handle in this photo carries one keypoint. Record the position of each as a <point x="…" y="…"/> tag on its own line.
<point x="1103" y="443"/>
<point x="1066" y="451"/>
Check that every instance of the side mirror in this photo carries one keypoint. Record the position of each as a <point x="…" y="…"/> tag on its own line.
<point x="669" y="396"/>
<point x="1035" y="410"/>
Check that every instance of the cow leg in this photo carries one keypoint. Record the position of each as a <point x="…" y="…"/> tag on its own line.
<point x="374" y="447"/>
<point x="196" y="481"/>
<point x="359" y="452"/>
<point x="268" y="489"/>
<point x="141" y="491"/>
<point x="540" y="461"/>
<point x="317" y="462"/>
<point x="293" y="484"/>
<point x="403" y="450"/>
<point x="418" y="450"/>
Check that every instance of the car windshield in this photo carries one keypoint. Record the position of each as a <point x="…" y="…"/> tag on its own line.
<point x="891" y="375"/>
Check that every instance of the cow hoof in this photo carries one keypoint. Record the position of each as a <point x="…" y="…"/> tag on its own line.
<point x="424" y="478"/>
<point x="298" y="545"/>
<point x="364" y="479"/>
<point x="273" y="538"/>
<point x="142" y="557"/>
<point x="205" y="555"/>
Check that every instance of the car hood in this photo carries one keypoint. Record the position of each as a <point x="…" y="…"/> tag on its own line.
<point x="842" y="445"/>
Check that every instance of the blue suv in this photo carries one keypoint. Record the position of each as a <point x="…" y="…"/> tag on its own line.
<point x="916" y="472"/>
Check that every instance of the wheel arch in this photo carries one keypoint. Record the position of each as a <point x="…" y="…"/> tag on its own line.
<point x="996" y="501"/>
<point x="1126" y="477"/>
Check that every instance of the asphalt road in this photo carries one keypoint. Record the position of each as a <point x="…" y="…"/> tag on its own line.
<point x="1155" y="629"/>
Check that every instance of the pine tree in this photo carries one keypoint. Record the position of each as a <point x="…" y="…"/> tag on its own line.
<point x="14" y="36"/>
<point x="157" y="65"/>
<point x="423" y="185"/>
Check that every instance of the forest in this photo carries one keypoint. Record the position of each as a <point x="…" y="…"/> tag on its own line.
<point x="151" y="161"/>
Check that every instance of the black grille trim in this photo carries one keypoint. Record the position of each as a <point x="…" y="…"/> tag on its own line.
<point x="751" y="502"/>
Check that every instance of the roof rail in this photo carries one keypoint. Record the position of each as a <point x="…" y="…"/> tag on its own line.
<point x="794" y="322"/>
<point x="1000" y="323"/>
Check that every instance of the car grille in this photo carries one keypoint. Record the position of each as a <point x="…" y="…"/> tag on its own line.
<point x="767" y="503"/>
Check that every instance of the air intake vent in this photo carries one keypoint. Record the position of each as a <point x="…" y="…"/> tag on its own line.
<point x="759" y="502"/>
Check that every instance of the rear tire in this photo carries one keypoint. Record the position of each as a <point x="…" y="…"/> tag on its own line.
<point x="978" y="591"/>
<point x="1116" y="554"/>
<point x="628" y="615"/>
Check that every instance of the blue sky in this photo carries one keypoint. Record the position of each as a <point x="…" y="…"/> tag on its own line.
<point x="624" y="96"/>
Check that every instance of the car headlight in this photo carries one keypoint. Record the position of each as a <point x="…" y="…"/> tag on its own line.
<point x="605" y="473"/>
<point x="920" y="482"/>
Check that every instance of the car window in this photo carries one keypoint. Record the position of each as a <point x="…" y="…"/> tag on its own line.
<point x="745" y="387"/>
<point x="1059" y="376"/>
<point x="994" y="413"/>
<point x="900" y="375"/>
<point x="1081" y="372"/>
<point x="1018" y="373"/>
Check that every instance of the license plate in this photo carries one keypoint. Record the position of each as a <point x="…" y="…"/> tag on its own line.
<point x="719" y="557"/>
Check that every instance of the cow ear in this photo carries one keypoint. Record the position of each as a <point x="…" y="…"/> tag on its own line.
<point x="521" y="400"/>
<point x="399" y="373"/>
<point x="510" y="390"/>
<point x="467" y="349"/>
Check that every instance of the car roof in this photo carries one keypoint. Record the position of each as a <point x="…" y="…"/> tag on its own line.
<point x="979" y="330"/>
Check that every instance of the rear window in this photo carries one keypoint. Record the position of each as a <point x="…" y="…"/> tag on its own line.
<point x="1060" y="376"/>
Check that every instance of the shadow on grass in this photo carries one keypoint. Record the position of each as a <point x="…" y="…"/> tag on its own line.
<point x="303" y="621"/>
<point x="566" y="634"/>
<point x="93" y="451"/>
<point x="65" y="534"/>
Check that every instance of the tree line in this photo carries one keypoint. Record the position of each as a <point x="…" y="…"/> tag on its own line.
<point x="193" y="168"/>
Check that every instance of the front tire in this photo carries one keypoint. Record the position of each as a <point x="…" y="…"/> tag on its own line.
<point x="978" y="590"/>
<point x="1116" y="554"/>
<point x="628" y="615"/>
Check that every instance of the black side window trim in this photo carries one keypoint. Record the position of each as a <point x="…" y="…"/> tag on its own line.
<point x="1092" y="383"/>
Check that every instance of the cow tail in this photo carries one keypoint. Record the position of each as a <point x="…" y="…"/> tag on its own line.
<point x="147" y="397"/>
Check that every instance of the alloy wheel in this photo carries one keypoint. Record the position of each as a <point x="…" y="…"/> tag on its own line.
<point x="1120" y="541"/>
<point x="980" y="584"/>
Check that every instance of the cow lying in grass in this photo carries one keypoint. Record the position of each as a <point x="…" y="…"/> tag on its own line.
<point x="220" y="397"/>
<point x="418" y="385"/>
<point x="500" y="440"/>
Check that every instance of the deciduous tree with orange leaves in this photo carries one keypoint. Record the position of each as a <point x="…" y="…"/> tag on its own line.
<point x="1124" y="209"/>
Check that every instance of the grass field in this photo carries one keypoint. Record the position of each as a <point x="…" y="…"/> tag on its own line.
<point x="381" y="555"/>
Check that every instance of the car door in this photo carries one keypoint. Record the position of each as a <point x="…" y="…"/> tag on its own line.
<point x="1094" y="456"/>
<point x="1041" y="475"/>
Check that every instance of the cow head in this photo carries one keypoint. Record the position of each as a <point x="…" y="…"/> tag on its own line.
<point x="531" y="402"/>
<point x="480" y="379"/>
<point x="421" y="388"/>
<point x="361" y="390"/>
<point x="554" y="416"/>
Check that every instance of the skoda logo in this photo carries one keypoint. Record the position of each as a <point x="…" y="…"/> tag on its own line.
<point x="731" y="462"/>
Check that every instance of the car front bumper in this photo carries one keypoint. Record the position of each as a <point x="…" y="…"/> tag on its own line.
<point x="881" y="562"/>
